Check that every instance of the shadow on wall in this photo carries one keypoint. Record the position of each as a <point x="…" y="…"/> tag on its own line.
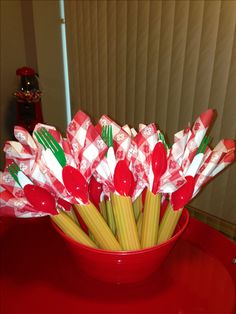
<point x="9" y="119"/>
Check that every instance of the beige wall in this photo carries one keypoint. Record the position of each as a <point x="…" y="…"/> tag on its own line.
<point x="30" y="35"/>
<point x="50" y="64"/>
<point x="12" y="56"/>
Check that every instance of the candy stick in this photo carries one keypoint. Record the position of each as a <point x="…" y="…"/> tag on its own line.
<point x="110" y="217"/>
<point x="70" y="228"/>
<point x="98" y="227"/>
<point x="125" y="222"/>
<point x="150" y="219"/>
<point x="168" y="223"/>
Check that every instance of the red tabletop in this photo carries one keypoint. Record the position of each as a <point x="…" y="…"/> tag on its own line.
<point x="39" y="275"/>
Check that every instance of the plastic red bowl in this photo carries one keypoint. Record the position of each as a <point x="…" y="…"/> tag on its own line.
<point x="123" y="266"/>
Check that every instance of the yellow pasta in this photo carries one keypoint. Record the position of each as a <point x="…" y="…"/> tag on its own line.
<point x="137" y="206"/>
<point x="110" y="217"/>
<point x="168" y="224"/>
<point x="151" y="217"/>
<point x="73" y="216"/>
<point x="125" y="222"/>
<point x="98" y="227"/>
<point x="103" y="210"/>
<point x="70" y="228"/>
<point x="139" y="224"/>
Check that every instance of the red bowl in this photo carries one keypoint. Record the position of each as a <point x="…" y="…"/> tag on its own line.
<point x="123" y="266"/>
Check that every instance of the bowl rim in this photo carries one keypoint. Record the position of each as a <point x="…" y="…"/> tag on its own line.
<point x="123" y="253"/>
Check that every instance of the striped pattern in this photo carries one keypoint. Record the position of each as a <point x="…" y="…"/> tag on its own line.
<point x="137" y="206"/>
<point x="125" y="222"/>
<point x="103" y="210"/>
<point x="139" y="224"/>
<point x="168" y="224"/>
<point x="70" y="228"/>
<point x="151" y="217"/>
<point x="110" y="217"/>
<point x="98" y="227"/>
<point x="158" y="61"/>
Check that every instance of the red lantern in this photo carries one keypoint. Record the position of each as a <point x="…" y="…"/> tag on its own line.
<point x="28" y="111"/>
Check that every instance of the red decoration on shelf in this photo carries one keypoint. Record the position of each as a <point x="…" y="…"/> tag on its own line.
<point x="28" y="110"/>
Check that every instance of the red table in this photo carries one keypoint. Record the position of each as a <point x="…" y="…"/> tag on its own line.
<point x="39" y="275"/>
